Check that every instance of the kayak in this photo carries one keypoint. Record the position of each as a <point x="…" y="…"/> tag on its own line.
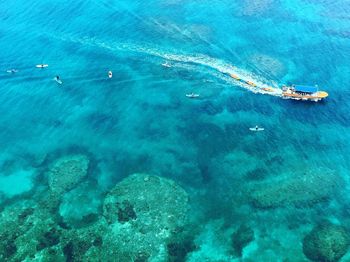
<point x="110" y="74"/>
<point x="42" y="66"/>
<point x="254" y="129"/>
<point x="192" y="95"/>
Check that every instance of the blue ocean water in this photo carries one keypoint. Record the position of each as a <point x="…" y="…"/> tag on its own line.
<point x="141" y="121"/>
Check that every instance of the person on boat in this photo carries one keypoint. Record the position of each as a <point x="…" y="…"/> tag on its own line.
<point x="57" y="77"/>
<point x="256" y="128"/>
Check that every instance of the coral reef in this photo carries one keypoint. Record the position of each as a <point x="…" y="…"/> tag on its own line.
<point x="143" y="212"/>
<point x="26" y="231"/>
<point x="305" y="189"/>
<point x="87" y="198"/>
<point x="84" y="244"/>
<point x="241" y="238"/>
<point x="66" y="172"/>
<point x="178" y="250"/>
<point x="143" y="218"/>
<point x="326" y="243"/>
<point x="212" y="243"/>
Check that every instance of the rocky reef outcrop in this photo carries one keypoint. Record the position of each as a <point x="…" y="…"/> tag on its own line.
<point x="143" y="212"/>
<point x="326" y="243"/>
<point x="299" y="189"/>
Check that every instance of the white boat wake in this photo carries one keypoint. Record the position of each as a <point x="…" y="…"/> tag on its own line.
<point x="226" y="70"/>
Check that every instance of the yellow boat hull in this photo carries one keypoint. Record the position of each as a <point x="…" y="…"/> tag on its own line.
<point x="318" y="96"/>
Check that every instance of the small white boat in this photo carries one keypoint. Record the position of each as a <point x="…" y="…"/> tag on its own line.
<point x="12" y="71"/>
<point x="110" y="74"/>
<point x="42" y="65"/>
<point x="256" y="129"/>
<point x="166" y="64"/>
<point x="192" y="95"/>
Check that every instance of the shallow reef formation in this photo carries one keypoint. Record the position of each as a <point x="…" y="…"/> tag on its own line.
<point x="144" y="219"/>
<point x="64" y="174"/>
<point x="302" y="189"/>
<point x="143" y="213"/>
<point x="326" y="243"/>
<point x="67" y="172"/>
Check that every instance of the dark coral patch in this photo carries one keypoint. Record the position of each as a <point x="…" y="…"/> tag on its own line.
<point x="210" y="108"/>
<point x="126" y="212"/>
<point x="241" y="238"/>
<point x="326" y="243"/>
<point x="49" y="239"/>
<point x="178" y="250"/>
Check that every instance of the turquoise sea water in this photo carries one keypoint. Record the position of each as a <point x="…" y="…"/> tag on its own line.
<point x="141" y="121"/>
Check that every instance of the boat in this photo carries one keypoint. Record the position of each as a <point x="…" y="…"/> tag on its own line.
<point x="110" y="74"/>
<point x="192" y="95"/>
<point x="301" y="92"/>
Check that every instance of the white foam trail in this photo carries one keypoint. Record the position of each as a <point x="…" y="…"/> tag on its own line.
<point x="199" y="59"/>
